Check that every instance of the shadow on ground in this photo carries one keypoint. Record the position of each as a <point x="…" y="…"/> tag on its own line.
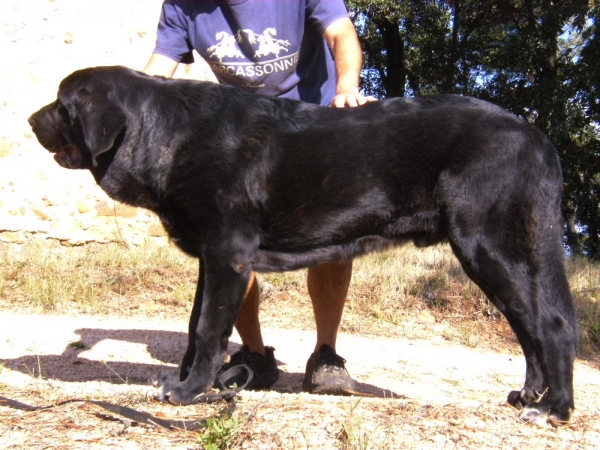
<point x="82" y="361"/>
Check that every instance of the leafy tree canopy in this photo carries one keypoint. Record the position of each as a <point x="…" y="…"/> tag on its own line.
<point x="539" y="59"/>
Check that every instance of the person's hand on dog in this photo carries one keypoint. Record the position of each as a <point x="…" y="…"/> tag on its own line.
<point x="350" y="99"/>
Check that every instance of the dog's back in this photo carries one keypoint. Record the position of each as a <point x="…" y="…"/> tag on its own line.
<point x="397" y="170"/>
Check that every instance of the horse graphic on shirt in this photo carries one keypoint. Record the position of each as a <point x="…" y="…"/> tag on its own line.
<point x="227" y="46"/>
<point x="267" y="45"/>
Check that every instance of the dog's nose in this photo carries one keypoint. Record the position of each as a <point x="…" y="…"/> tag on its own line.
<point x="31" y="121"/>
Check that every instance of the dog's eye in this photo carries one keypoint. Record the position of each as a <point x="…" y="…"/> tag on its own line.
<point x="60" y="109"/>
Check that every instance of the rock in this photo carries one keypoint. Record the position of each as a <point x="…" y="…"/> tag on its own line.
<point x="40" y="213"/>
<point x="17" y="211"/>
<point x="83" y="208"/>
<point x="156" y="230"/>
<point x="13" y="237"/>
<point x="117" y="209"/>
<point x="55" y="198"/>
<point x="22" y="223"/>
<point x="103" y="210"/>
<point x="426" y="317"/>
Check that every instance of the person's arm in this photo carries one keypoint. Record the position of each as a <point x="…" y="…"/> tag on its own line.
<point x="342" y="39"/>
<point x="160" y="65"/>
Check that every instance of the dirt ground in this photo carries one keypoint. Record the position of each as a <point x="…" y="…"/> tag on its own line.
<point x="424" y="392"/>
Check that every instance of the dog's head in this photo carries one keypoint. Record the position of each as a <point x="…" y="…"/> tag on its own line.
<point x="84" y="121"/>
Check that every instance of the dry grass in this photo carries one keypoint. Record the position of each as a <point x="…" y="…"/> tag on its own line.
<point x="100" y="279"/>
<point x="388" y="289"/>
<point x="391" y="293"/>
<point x="584" y="277"/>
<point x="284" y="423"/>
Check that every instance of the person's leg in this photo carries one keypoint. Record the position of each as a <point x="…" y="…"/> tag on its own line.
<point x="328" y="286"/>
<point x="325" y="371"/>
<point x="248" y="325"/>
<point x="253" y="353"/>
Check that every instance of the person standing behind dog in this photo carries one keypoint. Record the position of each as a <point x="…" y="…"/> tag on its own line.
<point x="301" y="49"/>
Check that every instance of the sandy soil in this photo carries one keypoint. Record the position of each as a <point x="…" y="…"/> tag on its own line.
<point x="423" y="393"/>
<point x="426" y="393"/>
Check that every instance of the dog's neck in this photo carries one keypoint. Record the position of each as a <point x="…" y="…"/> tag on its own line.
<point x="116" y="174"/>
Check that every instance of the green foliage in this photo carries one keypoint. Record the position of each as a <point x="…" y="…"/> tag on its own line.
<point x="354" y="435"/>
<point x="220" y="433"/>
<point x="539" y="59"/>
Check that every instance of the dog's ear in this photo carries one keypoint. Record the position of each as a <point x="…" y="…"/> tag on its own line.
<point x="102" y="120"/>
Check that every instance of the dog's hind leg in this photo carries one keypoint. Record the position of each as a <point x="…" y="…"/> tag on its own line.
<point x="556" y="332"/>
<point x="533" y="294"/>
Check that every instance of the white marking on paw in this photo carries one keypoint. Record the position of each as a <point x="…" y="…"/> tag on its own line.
<point x="533" y="414"/>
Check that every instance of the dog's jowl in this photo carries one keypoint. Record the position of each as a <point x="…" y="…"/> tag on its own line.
<point x="245" y="182"/>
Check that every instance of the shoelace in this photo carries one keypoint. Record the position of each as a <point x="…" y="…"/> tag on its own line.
<point x="332" y="360"/>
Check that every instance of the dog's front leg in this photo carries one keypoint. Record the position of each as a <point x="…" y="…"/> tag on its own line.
<point x="219" y="295"/>
<point x="190" y="353"/>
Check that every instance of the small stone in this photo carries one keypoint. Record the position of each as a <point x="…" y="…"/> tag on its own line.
<point x="103" y="210"/>
<point x="40" y="213"/>
<point x="83" y="208"/>
<point x="17" y="211"/>
<point x="156" y="230"/>
<point x="426" y="317"/>
<point x="55" y="199"/>
<point x="13" y="237"/>
<point x="126" y="211"/>
<point x="120" y="210"/>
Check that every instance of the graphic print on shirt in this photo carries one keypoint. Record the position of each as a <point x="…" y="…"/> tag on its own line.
<point x="265" y="44"/>
<point x="226" y="47"/>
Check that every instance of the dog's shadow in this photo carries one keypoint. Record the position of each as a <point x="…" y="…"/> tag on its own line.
<point x="164" y="350"/>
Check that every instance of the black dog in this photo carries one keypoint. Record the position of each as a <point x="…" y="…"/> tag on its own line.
<point x="246" y="182"/>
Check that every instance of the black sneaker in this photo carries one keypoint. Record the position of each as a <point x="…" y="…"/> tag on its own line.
<point x="264" y="367"/>
<point x="326" y="374"/>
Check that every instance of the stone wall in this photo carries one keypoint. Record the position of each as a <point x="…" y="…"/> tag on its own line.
<point x="55" y="203"/>
<point x="42" y="41"/>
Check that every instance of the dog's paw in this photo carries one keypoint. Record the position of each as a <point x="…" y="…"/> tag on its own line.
<point x="537" y="413"/>
<point x="164" y="383"/>
<point x="171" y="390"/>
<point x="516" y="399"/>
<point x="175" y="392"/>
<point x="532" y="410"/>
<point x="524" y="397"/>
<point x="559" y="419"/>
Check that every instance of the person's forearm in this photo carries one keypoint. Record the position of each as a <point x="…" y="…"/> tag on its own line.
<point x="348" y="58"/>
<point x="347" y="53"/>
<point x="160" y="65"/>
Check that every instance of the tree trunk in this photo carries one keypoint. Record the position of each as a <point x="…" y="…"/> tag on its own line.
<point x="394" y="79"/>
<point x="448" y="84"/>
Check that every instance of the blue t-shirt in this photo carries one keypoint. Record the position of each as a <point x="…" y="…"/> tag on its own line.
<point x="271" y="47"/>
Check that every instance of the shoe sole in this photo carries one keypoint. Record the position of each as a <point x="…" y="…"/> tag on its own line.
<point x="264" y="381"/>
